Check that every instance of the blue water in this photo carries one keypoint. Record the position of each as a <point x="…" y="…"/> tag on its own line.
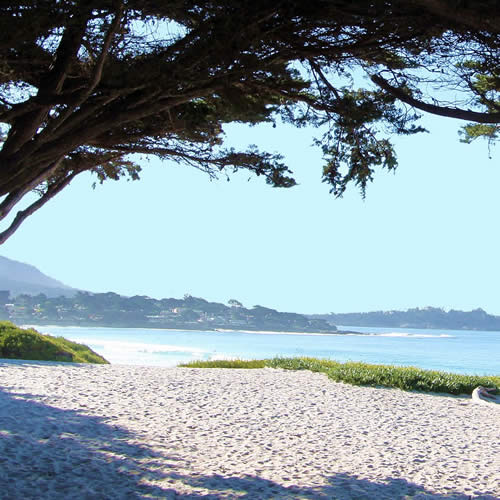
<point x="471" y="352"/>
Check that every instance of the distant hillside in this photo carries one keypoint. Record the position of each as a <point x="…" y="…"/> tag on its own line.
<point x="428" y="317"/>
<point x="20" y="278"/>
<point x="192" y="313"/>
<point x="37" y="299"/>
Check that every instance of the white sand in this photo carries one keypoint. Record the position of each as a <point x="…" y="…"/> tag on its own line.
<point x="88" y="431"/>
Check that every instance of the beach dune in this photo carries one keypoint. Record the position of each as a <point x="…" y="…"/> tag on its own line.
<point x="111" y="431"/>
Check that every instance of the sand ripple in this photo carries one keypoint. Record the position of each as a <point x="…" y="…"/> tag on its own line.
<point x="86" y="431"/>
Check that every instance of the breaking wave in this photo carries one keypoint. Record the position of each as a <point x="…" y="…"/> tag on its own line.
<point x="413" y="335"/>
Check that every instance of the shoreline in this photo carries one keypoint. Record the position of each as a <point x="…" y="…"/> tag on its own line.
<point x="119" y="431"/>
<point x="215" y="330"/>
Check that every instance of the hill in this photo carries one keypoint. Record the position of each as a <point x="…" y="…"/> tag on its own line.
<point x="427" y="317"/>
<point x="20" y="278"/>
<point x="38" y="299"/>
<point x="48" y="301"/>
<point x="193" y="313"/>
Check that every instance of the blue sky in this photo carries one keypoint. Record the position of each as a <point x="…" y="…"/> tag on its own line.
<point x="425" y="236"/>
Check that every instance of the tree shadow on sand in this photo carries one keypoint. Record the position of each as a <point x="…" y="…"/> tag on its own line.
<point x="46" y="452"/>
<point x="340" y="487"/>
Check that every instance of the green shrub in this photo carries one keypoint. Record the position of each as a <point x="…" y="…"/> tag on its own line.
<point x="227" y="363"/>
<point x="19" y="343"/>
<point x="407" y="378"/>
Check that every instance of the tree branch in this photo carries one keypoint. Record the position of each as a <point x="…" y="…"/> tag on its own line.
<point x="98" y="69"/>
<point x="15" y="196"/>
<point x="24" y="214"/>
<point x="25" y="127"/>
<point x="315" y="66"/>
<point x="461" y="114"/>
<point x="454" y="11"/>
<point x="161" y="151"/>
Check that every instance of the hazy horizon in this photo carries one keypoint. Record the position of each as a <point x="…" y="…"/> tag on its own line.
<point x="61" y="283"/>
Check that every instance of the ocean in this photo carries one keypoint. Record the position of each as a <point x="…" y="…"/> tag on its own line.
<point x="468" y="352"/>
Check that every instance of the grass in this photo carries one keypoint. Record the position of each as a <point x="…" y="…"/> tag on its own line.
<point x="19" y="343"/>
<point x="407" y="378"/>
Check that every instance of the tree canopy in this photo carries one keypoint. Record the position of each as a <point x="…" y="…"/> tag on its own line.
<point x="86" y="85"/>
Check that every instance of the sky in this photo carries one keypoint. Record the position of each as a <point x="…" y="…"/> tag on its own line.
<point x="426" y="235"/>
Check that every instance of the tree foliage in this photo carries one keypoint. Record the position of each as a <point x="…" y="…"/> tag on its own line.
<point x="85" y="85"/>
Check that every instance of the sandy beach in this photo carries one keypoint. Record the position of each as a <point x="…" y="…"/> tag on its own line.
<point x="111" y="431"/>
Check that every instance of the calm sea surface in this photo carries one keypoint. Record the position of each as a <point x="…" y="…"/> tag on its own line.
<point x="471" y="352"/>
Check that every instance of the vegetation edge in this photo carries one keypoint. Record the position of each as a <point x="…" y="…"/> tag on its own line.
<point x="408" y="378"/>
<point x="28" y="344"/>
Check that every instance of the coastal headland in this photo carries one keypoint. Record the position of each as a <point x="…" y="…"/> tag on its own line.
<point x="127" y="432"/>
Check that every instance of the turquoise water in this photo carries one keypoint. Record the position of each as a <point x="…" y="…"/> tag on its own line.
<point x="471" y="352"/>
